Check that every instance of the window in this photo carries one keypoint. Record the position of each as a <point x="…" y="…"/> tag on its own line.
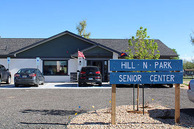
<point x="55" y="68"/>
<point x="2" y="68"/>
<point x="26" y="71"/>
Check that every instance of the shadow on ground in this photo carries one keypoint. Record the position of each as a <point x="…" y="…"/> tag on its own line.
<point x="188" y="111"/>
<point x="3" y="85"/>
<point x="76" y="85"/>
<point x="166" y="116"/>
<point x="53" y="112"/>
<point x="91" y="123"/>
<point x="30" y="123"/>
<point x="66" y="113"/>
<point x="88" y="85"/>
<point x="141" y="86"/>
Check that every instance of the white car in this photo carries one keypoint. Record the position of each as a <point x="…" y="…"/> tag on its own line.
<point x="190" y="91"/>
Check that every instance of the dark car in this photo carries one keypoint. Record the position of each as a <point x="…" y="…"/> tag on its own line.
<point x="90" y="75"/>
<point x="28" y="76"/>
<point x="5" y="75"/>
<point x="190" y="91"/>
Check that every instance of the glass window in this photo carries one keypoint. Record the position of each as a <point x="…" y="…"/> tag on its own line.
<point x="26" y="71"/>
<point x="55" y="68"/>
<point x="2" y="67"/>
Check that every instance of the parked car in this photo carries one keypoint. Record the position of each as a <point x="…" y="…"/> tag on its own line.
<point x="90" y="74"/>
<point x="190" y="91"/>
<point x="28" y="76"/>
<point x="5" y="75"/>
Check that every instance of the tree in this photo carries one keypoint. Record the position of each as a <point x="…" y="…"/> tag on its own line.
<point x="81" y="29"/>
<point x="144" y="48"/>
<point x="188" y="64"/>
<point x="176" y="58"/>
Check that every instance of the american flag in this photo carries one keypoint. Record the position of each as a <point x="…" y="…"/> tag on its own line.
<point x="80" y="54"/>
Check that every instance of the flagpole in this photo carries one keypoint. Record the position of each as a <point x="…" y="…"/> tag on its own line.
<point x="81" y="59"/>
<point x="77" y="68"/>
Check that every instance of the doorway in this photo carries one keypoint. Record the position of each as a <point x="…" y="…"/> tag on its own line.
<point x="102" y="65"/>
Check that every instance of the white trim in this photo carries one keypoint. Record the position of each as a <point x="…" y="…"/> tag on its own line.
<point x="115" y="55"/>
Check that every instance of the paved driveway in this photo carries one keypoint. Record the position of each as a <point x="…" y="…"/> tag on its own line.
<point x="51" y="108"/>
<point x="67" y="85"/>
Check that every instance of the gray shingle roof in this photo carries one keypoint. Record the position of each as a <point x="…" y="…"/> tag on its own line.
<point x="8" y="46"/>
<point x="122" y="44"/>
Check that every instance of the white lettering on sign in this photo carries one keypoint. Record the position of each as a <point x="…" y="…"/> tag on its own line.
<point x="130" y="78"/>
<point x="162" y="78"/>
<point x="126" y="65"/>
<point x="145" y="65"/>
<point x="163" y="65"/>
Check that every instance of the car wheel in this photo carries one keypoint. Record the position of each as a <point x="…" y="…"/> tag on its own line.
<point x="80" y="84"/>
<point x="36" y="85"/>
<point x="100" y="84"/>
<point x="8" y="80"/>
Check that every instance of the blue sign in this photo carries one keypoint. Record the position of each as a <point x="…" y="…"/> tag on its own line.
<point x="146" y="65"/>
<point x="146" y="78"/>
<point x="8" y="60"/>
<point x="37" y="60"/>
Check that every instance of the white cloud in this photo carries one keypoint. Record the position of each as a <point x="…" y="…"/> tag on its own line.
<point x="188" y="58"/>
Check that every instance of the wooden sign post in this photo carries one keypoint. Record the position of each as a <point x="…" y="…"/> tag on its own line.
<point x="113" y="104"/>
<point x="177" y="103"/>
<point x="164" y="74"/>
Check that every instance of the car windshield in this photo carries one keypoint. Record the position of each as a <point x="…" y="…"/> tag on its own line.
<point x="91" y="69"/>
<point x="26" y="71"/>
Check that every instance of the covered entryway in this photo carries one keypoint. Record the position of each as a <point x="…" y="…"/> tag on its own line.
<point x="103" y="66"/>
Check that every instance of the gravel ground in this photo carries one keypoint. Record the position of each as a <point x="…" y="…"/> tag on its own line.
<point x="51" y="108"/>
<point x="155" y="117"/>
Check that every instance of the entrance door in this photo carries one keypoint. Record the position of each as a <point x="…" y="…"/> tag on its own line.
<point x="102" y="65"/>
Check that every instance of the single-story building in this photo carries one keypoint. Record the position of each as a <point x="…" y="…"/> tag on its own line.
<point x="188" y="72"/>
<point x="57" y="56"/>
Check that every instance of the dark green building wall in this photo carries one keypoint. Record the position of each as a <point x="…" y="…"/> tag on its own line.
<point x="61" y="47"/>
<point x="98" y="52"/>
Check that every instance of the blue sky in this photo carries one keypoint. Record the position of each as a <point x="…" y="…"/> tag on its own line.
<point x="171" y="21"/>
